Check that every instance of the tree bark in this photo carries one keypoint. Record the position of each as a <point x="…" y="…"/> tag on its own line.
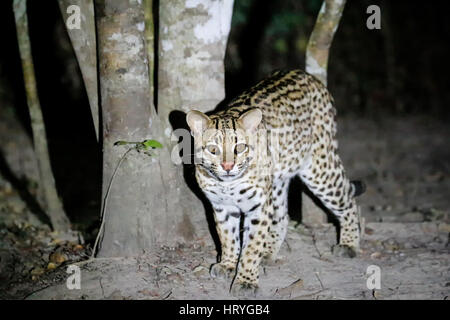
<point x="150" y="41"/>
<point x="53" y="205"/>
<point x="317" y="53"/>
<point x="85" y="47"/>
<point x="192" y="41"/>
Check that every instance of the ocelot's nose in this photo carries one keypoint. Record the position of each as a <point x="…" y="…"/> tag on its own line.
<point x="227" y="166"/>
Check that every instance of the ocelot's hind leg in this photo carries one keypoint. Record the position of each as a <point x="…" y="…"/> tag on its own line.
<point x="326" y="179"/>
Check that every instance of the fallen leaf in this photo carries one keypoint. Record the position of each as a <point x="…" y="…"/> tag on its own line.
<point x="375" y="255"/>
<point x="376" y="294"/>
<point x="37" y="271"/>
<point x="57" y="258"/>
<point x="78" y="247"/>
<point x="200" y="270"/>
<point x="51" y="266"/>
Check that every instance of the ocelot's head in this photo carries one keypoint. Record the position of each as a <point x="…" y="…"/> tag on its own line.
<point x="224" y="144"/>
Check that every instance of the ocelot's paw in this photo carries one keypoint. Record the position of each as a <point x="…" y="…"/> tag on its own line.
<point x="244" y="289"/>
<point x="221" y="271"/>
<point x="342" y="250"/>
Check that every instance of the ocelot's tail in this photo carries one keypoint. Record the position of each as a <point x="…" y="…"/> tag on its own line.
<point x="358" y="187"/>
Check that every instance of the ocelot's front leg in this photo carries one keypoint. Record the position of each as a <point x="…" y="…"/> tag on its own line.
<point x="227" y="225"/>
<point x="279" y="221"/>
<point x="256" y="232"/>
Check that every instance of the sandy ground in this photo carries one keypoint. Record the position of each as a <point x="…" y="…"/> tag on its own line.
<point x="412" y="257"/>
<point x="405" y="164"/>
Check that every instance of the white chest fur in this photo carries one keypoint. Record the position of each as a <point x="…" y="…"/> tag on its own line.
<point x="239" y="194"/>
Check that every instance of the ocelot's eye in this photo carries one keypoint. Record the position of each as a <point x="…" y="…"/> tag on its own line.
<point x="213" y="149"/>
<point x="240" y="147"/>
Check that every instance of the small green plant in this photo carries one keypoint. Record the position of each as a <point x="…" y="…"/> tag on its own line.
<point x="141" y="146"/>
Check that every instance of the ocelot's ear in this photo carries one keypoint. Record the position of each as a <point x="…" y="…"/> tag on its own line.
<point x="250" y="119"/>
<point x="197" y="121"/>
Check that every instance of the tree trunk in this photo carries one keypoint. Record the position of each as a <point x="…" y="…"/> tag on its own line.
<point x="85" y="47"/>
<point x="192" y="44"/>
<point x="126" y="111"/>
<point x="53" y="204"/>
<point x="319" y="44"/>
<point x="317" y="53"/>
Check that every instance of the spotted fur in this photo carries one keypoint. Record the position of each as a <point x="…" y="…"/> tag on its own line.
<point x="282" y="127"/>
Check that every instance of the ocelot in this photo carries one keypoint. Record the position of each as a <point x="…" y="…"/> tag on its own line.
<point x="282" y="127"/>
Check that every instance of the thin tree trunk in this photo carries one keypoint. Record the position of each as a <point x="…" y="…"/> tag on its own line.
<point x="85" y="47"/>
<point x="319" y="44"/>
<point x="317" y="53"/>
<point x="53" y="204"/>
<point x="392" y="83"/>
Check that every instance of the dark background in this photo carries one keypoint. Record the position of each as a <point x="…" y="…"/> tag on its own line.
<point x="393" y="73"/>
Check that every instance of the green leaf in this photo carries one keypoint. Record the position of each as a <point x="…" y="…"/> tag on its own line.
<point x="152" y="144"/>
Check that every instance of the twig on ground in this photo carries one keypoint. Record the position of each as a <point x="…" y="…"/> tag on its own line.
<point x="320" y="281"/>
<point x="166" y="294"/>
<point x="101" y="286"/>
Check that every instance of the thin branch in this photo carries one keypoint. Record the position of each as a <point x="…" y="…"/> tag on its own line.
<point x="84" y="44"/>
<point x="54" y="206"/>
